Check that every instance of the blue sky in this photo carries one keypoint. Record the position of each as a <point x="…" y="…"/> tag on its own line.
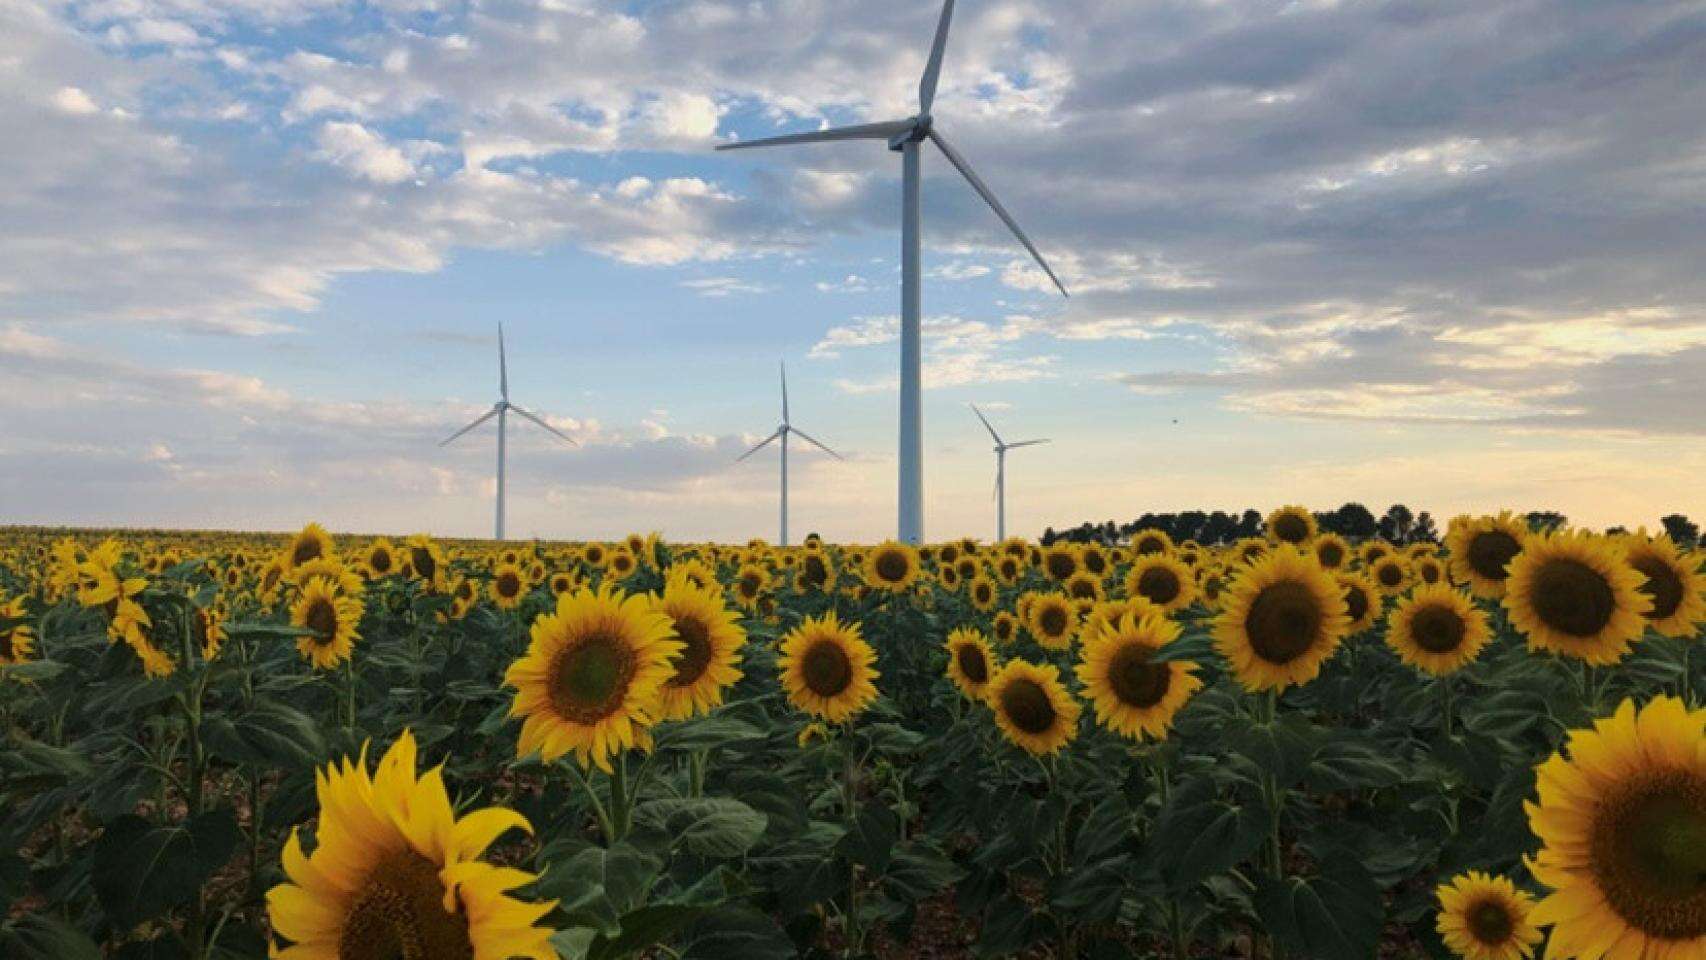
<point x="252" y="255"/>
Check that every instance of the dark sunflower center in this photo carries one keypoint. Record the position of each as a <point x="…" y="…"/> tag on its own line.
<point x="1491" y="552"/>
<point x="1330" y="554"/>
<point x="380" y="561"/>
<point x="1061" y="565"/>
<point x="1429" y="572"/>
<point x="1159" y="585"/>
<point x="695" y="655"/>
<point x="425" y="566"/>
<point x="1663" y="586"/>
<point x="814" y="571"/>
<point x="891" y="566"/>
<point x="1150" y="545"/>
<point x="1053" y="621"/>
<point x="1028" y="706"/>
<point x="509" y="585"/>
<point x="1003" y="630"/>
<point x="305" y="551"/>
<point x="1095" y="563"/>
<point x="1009" y="569"/>
<point x="1356" y="601"/>
<point x="1211" y="587"/>
<point x="1135" y="680"/>
<point x="982" y="593"/>
<point x="1573" y="598"/>
<point x="972" y="663"/>
<point x="322" y="618"/>
<point x="1083" y="588"/>
<point x="7" y="651"/>
<point x="590" y="680"/>
<point x="1437" y="629"/>
<point x="1284" y="622"/>
<point x="1490" y="922"/>
<point x="826" y="669"/>
<point x="399" y="915"/>
<point x="1391" y="574"/>
<point x="1648" y="852"/>
<point x="1291" y="528"/>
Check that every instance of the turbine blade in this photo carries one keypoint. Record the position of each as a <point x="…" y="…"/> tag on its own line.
<point x="560" y="434"/>
<point x="983" y="191"/>
<point x="503" y="365"/>
<point x="1025" y="443"/>
<point x="986" y="425"/>
<point x="933" y="70"/>
<point x="862" y="131"/>
<point x="809" y="439"/>
<point x="489" y="415"/>
<point x="784" y="365"/>
<point x="767" y="441"/>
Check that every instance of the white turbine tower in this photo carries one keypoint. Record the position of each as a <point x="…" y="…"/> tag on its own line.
<point x="502" y="409"/>
<point x="1001" y="448"/>
<point x="781" y="434"/>
<point x="905" y="136"/>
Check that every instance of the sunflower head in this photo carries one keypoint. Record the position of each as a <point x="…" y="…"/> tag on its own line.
<point x="330" y="618"/>
<point x="1032" y="708"/>
<point x="1486" y="918"/>
<point x="983" y="592"/>
<point x="1145" y="542"/>
<point x="1673" y="584"/>
<point x="1437" y="629"/>
<point x="1083" y="586"/>
<point x="1132" y="693"/>
<point x="1283" y="617"/>
<point x="1292" y="524"/>
<point x="892" y="565"/>
<point x="1363" y="602"/>
<point x="1060" y="561"/>
<point x="1052" y="621"/>
<point x="1391" y="573"/>
<point x="1575" y="593"/>
<point x="509" y="586"/>
<point x="710" y="639"/>
<point x="826" y="668"/>
<point x="1005" y="627"/>
<point x="970" y="662"/>
<point x="312" y="543"/>
<point x="1480" y="550"/>
<point x="1331" y="551"/>
<point x="1163" y="580"/>
<point x="380" y="559"/>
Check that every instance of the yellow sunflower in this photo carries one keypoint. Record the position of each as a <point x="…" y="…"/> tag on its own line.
<point x="1437" y="629"/>
<point x="1486" y="918"/>
<point x="508" y="587"/>
<point x="710" y="648"/>
<point x="1391" y="574"/>
<point x="1083" y="585"/>
<point x="983" y="592"/>
<point x="1292" y="524"/>
<point x="310" y="544"/>
<point x="1428" y="569"/>
<point x="892" y="566"/>
<point x="395" y="873"/>
<point x="379" y="559"/>
<point x="1480" y="550"/>
<point x="1131" y="694"/>
<point x="17" y="637"/>
<point x="1032" y="708"/>
<point x="826" y="668"/>
<point x="1060" y="561"/>
<point x="1673" y="583"/>
<point x="1004" y="627"/>
<point x="1163" y="580"/>
<point x="1622" y="828"/>
<point x="590" y="679"/>
<point x="1331" y="551"/>
<point x="1362" y="600"/>
<point x="750" y="582"/>
<point x="1146" y="542"/>
<point x="331" y="617"/>
<point x="1574" y="593"/>
<point x="1281" y="619"/>
<point x="620" y="563"/>
<point x="426" y="562"/>
<point x="1374" y="550"/>
<point x="1094" y="560"/>
<point x="815" y="572"/>
<point x="1052" y="621"/>
<point x="970" y="662"/>
<point x="1008" y="569"/>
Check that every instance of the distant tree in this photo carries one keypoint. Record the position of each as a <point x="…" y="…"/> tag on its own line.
<point x="1048" y="536"/>
<point x="1353" y="520"/>
<point x="1545" y="521"/>
<point x="1395" y="525"/>
<point x="1424" y="531"/>
<point x="1616" y="531"/>
<point x="1250" y="524"/>
<point x="1681" y="529"/>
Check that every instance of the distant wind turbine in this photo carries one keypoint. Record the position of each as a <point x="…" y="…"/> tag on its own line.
<point x="782" y="433"/>
<point x="1001" y="448"/>
<point x="502" y="409"/>
<point x="905" y="136"/>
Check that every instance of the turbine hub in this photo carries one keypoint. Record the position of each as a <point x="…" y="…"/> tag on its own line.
<point x="914" y="134"/>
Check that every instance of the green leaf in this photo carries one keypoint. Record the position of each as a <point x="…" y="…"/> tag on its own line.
<point x="595" y="887"/>
<point x="40" y="936"/>
<point x="141" y="870"/>
<point x="270" y="734"/>
<point x="918" y="871"/>
<point x="872" y="839"/>
<point x="1195" y="838"/>
<point x="736" y="932"/>
<point x="35" y="671"/>
<point x="1281" y="748"/>
<point x="1346" y="764"/>
<point x="706" y="733"/>
<point x="1336" y="916"/>
<point x="643" y="928"/>
<point x="704" y="826"/>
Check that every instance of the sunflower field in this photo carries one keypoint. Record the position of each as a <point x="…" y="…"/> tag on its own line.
<point x="1291" y="746"/>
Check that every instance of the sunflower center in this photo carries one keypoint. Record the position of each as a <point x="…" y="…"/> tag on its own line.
<point x="815" y="572"/>
<point x="1053" y="621"/>
<point x="305" y="551"/>
<point x="1572" y="597"/>
<point x="1150" y="545"/>
<point x="1095" y="563"/>
<point x="695" y="656"/>
<point x="1003" y="629"/>
<point x="1356" y="601"/>
<point x="1663" y="586"/>
<point x="1291" y="528"/>
<point x="590" y="679"/>
<point x="1135" y="680"/>
<point x="1284" y="622"/>
<point x="891" y="566"/>
<point x="826" y="669"/>
<point x="972" y="664"/>
<point x="322" y="618"/>
<point x="982" y="593"/>
<point x="1061" y="565"/>
<point x="400" y="915"/>
<point x="425" y="565"/>
<point x="509" y="584"/>
<point x="1437" y="629"/>
<point x="1648" y="852"/>
<point x="6" y="649"/>
<point x="1489" y="922"/>
<point x="1158" y="585"/>
<point x="1491" y="552"/>
<point x="1330" y="554"/>
<point x="1083" y="588"/>
<point x="380" y="561"/>
<point x="1391" y="574"/>
<point x="1028" y="706"/>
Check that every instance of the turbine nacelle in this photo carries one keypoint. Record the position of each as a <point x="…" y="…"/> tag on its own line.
<point x="917" y="132"/>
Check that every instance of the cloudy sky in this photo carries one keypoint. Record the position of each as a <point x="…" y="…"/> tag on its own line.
<point x="253" y="254"/>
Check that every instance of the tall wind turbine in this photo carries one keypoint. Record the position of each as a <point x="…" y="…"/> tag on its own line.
<point x="781" y="434"/>
<point x="502" y="409"/>
<point x="1001" y="448"/>
<point x="905" y="136"/>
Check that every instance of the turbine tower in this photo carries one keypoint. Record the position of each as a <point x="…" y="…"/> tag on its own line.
<point x="905" y="137"/>
<point x="502" y="409"/>
<point x="1001" y="448"/>
<point x="781" y="434"/>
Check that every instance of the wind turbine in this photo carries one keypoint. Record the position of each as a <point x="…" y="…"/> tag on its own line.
<point x="905" y="136"/>
<point x="1001" y="448"/>
<point x="502" y="409"/>
<point x="781" y="434"/>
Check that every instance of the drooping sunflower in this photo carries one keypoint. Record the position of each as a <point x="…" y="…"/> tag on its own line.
<point x="1281" y="619"/>
<point x="1575" y="593"/>
<point x="508" y="586"/>
<point x="1622" y="827"/>
<point x="1060" y="561"/>
<point x="1362" y="600"/>
<point x="970" y="662"/>
<point x="891" y="565"/>
<point x="1486" y="918"/>
<point x="826" y="668"/>
<point x="1052" y="621"/>
<point x="1292" y="524"/>
<point x="710" y="648"/>
<point x="1032" y="708"/>
<point x="379" y="559"/>
<point x="1163" y="580"/>
<point x="1391" y="574"/>
<point x="312" y="543"/>
<point x="426" y="562"/>
<point x="816" y="572"/>
<point x="1331" y="551"/>
<point x="1480" y="551"/>
<point x="589" y="681"/>
<point x="1437" y="629"/>
<point x="17" y="636"/>
<point x="1250" y="549"/>
<point x="983" y="592"/>
<point x="1131" y="693"/>
<point x="331" y="617"/>
<point x="395" y="873"/>
<point x="1673" y="583"/>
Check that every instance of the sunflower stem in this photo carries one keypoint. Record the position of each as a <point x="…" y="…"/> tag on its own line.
<point x="1445" y="706"/>
<point x="619" y="812"/>
<point x="605" y="825"/>
<point x="850" y="807"/>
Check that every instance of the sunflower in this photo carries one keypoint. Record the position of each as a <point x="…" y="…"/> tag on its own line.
<point x="1480" y="551"/>
<point x="1673" y="582"/>
<point x="590" y="679"/>
<point x="508" y="586"/>
<point x="426" y="562"/>
<point x="970" y="662"/>
<point x="209" y="631"/>
<point x="826" y="668"/>
<point x="312" y="543"/>
<point x="701" y="574"/>
<point x="1622" y="828"/>
<point x="1005" y="627"/>
<point x="594" y="554"/>
<point x="892" y="566"/>
<point x="1052" y="621"/>
<point x="1163" y="580"/>
<point x="1083" y="586"/>
<point x="1281" y="619"/>
<point x="379" y="559"/>
<point x="1437" y="629"/>
<point x="331" y="568"/>
<point x="1211" y="586"/>
<point x="1428" y="569"/>
<point x="331" y="619"/>
<point x="983" y="592"/>
<point x="1250" y="549"/>
<point x="17" y="637"/>
<point x="1132" y="695"/>
<point x="949" y="578"/>
<point x="1374" y="550"/>
<point x="710" y="648"/>
<point x="750" y="582"/>
<point x="1008" y="569"/>
<point x="1110" y="612"/>
<point x="1292" y="524"/>
<point x="1486" y="918"/>
<point x="1391" y="574"/>
<point x="1060" y="561"/>
<point x="1094" y="560"/>
<point x="1331" y="551"/>
<point x="816" y="572"/>
<point x="395" y="873"/>
<point x="566" y="582"/>
<point x="1576" y="594"/>
<point x="1031" y="707"/>
<point x="1151" y="541"/>
<point x="1362" y="600"/>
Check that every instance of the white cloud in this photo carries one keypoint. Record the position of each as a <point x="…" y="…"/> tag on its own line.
<point x="74" y="101"/>
<point x="362" y="152"/>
